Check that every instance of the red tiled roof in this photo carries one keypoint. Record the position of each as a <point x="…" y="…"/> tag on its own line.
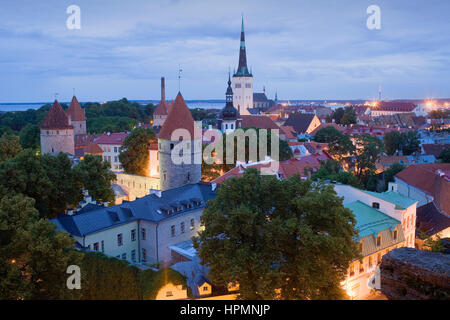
<point x="74" y="112"/>
<point x="399" y="106"/>
<point x="433" y="179"/>
<point x="258" y="121"/>
<point x="288" y="131"/>
<point x="56" y="118"/>
<point x="430" y="220"/>
<point x="115" y="138"/>
<point x="161" y="109"/>
<point x="93" y="148"/>
<point x="179" y="118"/>
<point x="435" y="149"/>
<point x="324" y="125"/>
<point x="84" y="139"/>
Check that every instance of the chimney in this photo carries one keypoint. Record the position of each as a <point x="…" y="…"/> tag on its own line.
<point x="163" y="90"/>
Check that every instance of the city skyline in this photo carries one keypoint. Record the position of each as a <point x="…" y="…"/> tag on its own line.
<point x="304" y="51"/>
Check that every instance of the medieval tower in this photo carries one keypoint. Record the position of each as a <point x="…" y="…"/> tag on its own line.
<point x="179" y="122"/>
<point x="243" y="81"/>
<point x="76" y="117"/>
<point x="57" y="134"/>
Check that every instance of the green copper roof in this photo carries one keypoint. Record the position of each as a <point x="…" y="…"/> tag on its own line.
<point x="401" y="202"/>
<point x="370" y="221"/>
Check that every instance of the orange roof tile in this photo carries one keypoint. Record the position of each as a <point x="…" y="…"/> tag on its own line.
<point x="93" y="148"/>
<point x="56" y="118"/>
<point x="74" y="112"/>
<point x="179" y="118"/>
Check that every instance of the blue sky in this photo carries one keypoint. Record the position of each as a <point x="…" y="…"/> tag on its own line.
<point x="305" y="49"/>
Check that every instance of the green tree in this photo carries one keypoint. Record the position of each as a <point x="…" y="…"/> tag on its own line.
<point x="332" y="170"/>
<point x="9" y="147"/>
<point x="106" y="278"/>
<point x="339" y="145"/>
<point x="344" y="116"/>
<point x="368" y="151"/>
<point x="410" y="142"/>
<point x="95" y="176"/>
<point x="65" y="186"/>
<point x="34" y="256"/>
<point x="284" y="239"/>
<point x="30" y="137"/>
<point x="444" y="156"/>
<point x="392" y="142"/>
<point x="134" y="154"/>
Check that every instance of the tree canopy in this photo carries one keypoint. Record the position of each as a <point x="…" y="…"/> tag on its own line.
<point x="339" y="145"/>
<point x="134" y="155"/>
<point x="343" y="116"/>
<point x="9" y="146"/>
<point x="444" y="156"/>
<point x="279" y="239"/>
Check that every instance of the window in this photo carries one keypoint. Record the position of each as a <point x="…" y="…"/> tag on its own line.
<point x="375" y="205"/>
<point x="231" y="126"/>
<point x="248" y="85"/>
<point x="361" y="266"/>
<point x="144" y="233"/>
<point x="370" y="262"/>
<point x="182" y="227"/>
<point x="378" y="241"/>
<point x="133" y="255"/>
<point x="169" y="294"/>
<point x="226" y="126"/>
<point x="352" y="270"/>
<point x="379" y="258"/>
<point x="96" y="246"/>
<point x="103" y="246"/>
<point x="118" y="257"/>
<point x="172" y="231"/>
<point x="395" y="234"/>
<point x="119" y="240"/>
<point x="192" y="224"/>
<point x="116" y="159"/>
<point x="115" y="149"/>
<point x="133" y="235"/>
<point x="144" y="255"/>
<point x="124" y="256"/>
<point x="205" y="288"/>
<point x="171" y="146"/>
<point x="237" y="85"/>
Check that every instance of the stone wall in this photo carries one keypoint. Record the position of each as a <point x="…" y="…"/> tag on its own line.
<point x="411" y="274"/>
<point x="55" y="141"/>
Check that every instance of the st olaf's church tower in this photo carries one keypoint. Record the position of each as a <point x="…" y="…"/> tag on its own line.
<point x="243" y="81"/>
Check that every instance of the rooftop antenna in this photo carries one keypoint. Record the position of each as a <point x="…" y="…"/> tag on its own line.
<point x="179" y="77"/>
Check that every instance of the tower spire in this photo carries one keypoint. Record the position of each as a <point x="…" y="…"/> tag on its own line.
<point x="242" y="67"/>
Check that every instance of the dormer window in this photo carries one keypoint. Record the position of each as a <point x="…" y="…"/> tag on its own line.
<point x="378" y="241"/>
<point x="375" y="205"/>
<point x="395" y="234"/>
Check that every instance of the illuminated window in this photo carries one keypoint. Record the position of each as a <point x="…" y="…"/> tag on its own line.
<point x="378" y="241"/>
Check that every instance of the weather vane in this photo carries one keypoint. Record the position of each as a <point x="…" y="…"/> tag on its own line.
<point x="179" y="78"/>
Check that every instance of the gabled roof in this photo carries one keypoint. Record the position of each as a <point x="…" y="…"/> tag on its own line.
<point x="93" y="148"/>
<point x="74" y="112"/>
<point x="422" y="176"/>
<point x="179" y="117"/>
<point x="401" y="202"/>
<point x="395" y="106"/>
<point x="148" y="208"/>
<point x="369" y="220"/>
<point x="258" y="121"/>
<point x="56" y="118"/>
<point x="435" y="149"/>
<point x="114" y="138"/>
<point x="430" y="220"/>
<point x="259" y="97"/>
<point x="300" y="121"/>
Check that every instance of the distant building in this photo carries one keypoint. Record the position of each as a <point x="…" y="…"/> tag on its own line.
<point x="57" y="132"/>
<point x="392" y="107"/>
<point x="243" y="81"/>
<point x="303" y="123"/>
<point x="229" y="118"/>
<point x="162" y="110"/>
<point x="110" y="143"/>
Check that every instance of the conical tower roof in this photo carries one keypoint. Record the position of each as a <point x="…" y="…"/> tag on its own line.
<point x="179" y="118"/>
<point x="56" y="118"/>
<point x="74" y="112"/>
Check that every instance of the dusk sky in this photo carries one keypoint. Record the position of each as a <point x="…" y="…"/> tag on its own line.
<point x="305" y="49"/>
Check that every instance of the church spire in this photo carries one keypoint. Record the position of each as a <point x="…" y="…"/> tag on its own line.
<point x="242" y="67"/>
<point x="229" y="93"/>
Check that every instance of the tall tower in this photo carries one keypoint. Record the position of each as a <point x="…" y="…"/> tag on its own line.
<point x="162" y="110"/>
<point x="76" y="117"/>
<point x="57" y="132"/>
<point x="173" y="175"/>
<point x="229" y="118"/>
<point x="243" y="80"/>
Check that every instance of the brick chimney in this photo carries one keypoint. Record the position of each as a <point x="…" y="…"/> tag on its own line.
<point x="163" y="90"/>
